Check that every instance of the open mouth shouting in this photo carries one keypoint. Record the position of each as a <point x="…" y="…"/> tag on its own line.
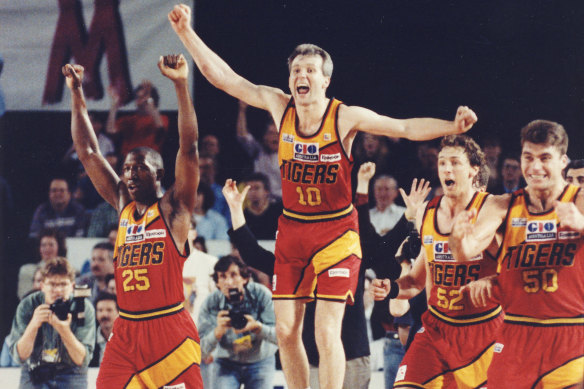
<point x="449" y="183"/>
<point x="302" y="89"/>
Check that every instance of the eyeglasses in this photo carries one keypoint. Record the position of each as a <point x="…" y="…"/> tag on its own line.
<point x="55" y="285"/>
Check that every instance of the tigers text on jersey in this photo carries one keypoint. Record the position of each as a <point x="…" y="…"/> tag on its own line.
<point x="541" y="265"/>
<point x="315" y="170"/>
<point x="148" y="265"/>
<point x="448" y="275"/>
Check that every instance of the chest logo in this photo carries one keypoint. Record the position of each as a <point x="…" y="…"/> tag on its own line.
<point x="306" y="152"/>
<point x="442" y="251"/>
<point x="330" y="157"/>
<point x="288" y="138"/>
<point x="541" y="230"/>
<point x="518" y="222"/>
<point x="134" y="233"/>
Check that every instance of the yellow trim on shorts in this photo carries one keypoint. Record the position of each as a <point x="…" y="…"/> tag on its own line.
<point x="478" y="318"/>
<point x="563" y="376"/>
<point x="336" y="297"/>
<point x="338" y="250"/>
<point x="168" y="368"/>
<point x="321" y="217"/>
<point x="410" y="384"/>
<point x="148" y="315"/>
<point x="543" y="322"/>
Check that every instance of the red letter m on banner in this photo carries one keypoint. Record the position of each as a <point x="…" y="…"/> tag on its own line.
<point x="72" y="40"/>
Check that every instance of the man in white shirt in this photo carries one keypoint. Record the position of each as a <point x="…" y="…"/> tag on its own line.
<point x="385" y="214"/>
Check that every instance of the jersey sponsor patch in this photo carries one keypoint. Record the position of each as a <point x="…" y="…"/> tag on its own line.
<point x="330" y="157"/>
<point x="155" y="234"/>
<point x="541" y="230"/>
<point x="134" y="233"/>
<point x="519" y="222"/>
<point x="177" y="386"/>
<point x="124" y="223"/>
<point x="428" y="239"/>
<point x="401" y="373"/>
<point x="288" y="138"/>
<point x="442" y="251"/>
<point x="569" y="235"/>
<point x="422" y="329"/>
<point x="307" y="152"/>
<point x="327" y="136"/>
<point x="339" y="273"/>
<point x="498" y="347"/>
<point x="150" y="213"/>
<point x="274" y="283"/>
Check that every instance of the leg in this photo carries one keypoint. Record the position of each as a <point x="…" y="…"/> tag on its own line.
<point x="289" y="318"/>
<point x="260" y="375"/>
<point x="393" y="353"/>
<point x="228" y="374"/>
<point x="357" y="373"/>
<point x="329" y="318"/>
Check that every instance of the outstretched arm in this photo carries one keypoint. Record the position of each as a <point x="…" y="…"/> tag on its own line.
<point x="353" y="118"/>
<point x="102" y="175"/>
<point x="218" y="73"/>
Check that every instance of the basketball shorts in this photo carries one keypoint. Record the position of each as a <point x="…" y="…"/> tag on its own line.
<point x="449" y="355"/>
<point x="152" y="353"/>
<point x="317" y="260"/>
<point x="538" y="355"/>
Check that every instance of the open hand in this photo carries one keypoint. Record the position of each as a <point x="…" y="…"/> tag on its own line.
<point x="233" y="196"/>
<point x="416" y="198"/>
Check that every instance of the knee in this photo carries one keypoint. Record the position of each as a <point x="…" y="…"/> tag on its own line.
<point x="326" y="336"/>
<point x="287" y="333"/>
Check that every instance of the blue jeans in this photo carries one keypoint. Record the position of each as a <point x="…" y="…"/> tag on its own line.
<point x="257" y="375"/>
<point x="70" y="378"/>
<point x="393" y="353"/>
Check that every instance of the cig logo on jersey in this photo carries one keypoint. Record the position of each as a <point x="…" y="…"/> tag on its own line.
<point x="134" y="233"/>
<point x="539" y="230"/>
<point x="306" y="152"/>
<point x="442" y="251"/>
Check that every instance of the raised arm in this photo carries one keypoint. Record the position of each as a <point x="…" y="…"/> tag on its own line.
<point x="469" y="239"/>
<point x="102" y="175"/>
<point x="353" y="118"/>
<point x="219" y="74"/>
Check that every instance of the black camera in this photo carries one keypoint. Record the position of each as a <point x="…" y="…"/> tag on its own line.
<point x="236" y="312"/>
<point x="411" y="247"/>
<point x="76" y="306"/>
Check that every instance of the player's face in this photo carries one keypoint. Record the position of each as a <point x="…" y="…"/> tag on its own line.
<point x="307" y="83"/>
<point x="576" y="177"/>
<point x="455" y="172"/>
<point x="101" y="262"/>
<point x="542" y="165"/>
<point x="139" y="175"/>
<point x="55" y="287"/>
<point x="106" y="312"/>
<point x="230" y="279"/>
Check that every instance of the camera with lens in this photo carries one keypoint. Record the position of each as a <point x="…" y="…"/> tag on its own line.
<point x="236" y="312"/>
<point x="411" y="246"/>
<point x="76" y="306"/>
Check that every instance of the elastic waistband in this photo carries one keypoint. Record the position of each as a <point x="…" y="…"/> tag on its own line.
<point x="318" y="217"/>
<point x="553" y="322"/>
<point x="466" y="320"/>
<point x="153" y="313"/>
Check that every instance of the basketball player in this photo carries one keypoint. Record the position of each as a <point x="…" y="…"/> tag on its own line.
<point x="154" y="342"/>
<point x="540" y="267"/>
<point x="315" y="257"/>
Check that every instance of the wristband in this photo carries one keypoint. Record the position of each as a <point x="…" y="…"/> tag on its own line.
<point x="393" y="290"/>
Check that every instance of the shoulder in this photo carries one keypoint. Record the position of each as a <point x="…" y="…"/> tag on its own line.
<point x="258" y="289"/>
<point x="31" y="301"/>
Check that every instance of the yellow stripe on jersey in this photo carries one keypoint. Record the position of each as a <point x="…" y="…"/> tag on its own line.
<point x="565" y="376"/>
<point x="168" y="368"/>
<point x="149" y="315"/>
<point x="543" y="322"/>
<point x="321" y="217"/>
<point x="483" y="316"/>
<point x="343" y="247"/>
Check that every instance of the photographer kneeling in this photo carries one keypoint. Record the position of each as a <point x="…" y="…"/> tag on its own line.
<point x="53" y="334"/>
<point x="239" y="319"/>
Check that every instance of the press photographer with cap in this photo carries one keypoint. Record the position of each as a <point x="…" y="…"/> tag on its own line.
<point x="53" y="331"/>
<point x="238" y="319"/>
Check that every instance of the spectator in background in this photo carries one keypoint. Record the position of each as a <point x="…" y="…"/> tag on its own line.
<point x="102" y="264"/>
<point x="106" y="312"/>
<point x="510" y="174"/>
<point x="85" y="193"/>
<point x="54" y="352"/>
<point x="245" y="348"/>
<point x="427" y="163"/>
<point x="210" y="223"/>
<point x="105" y="144"/>
<point x="385" y="215"/>
<point x="60" y="212"/>
<point x="102" y="218"/>
<point x="492" y="149"/>
<point x="208" y="169"/>
<point x="262" y="212"/>
<point x="372" y="148"/>
<point x="146" y="127"/>
<point x="51" y="245"/>
<point x="197" y="273"/>
<point x="265" y="155"/>
<point x="575" y="172"/>
<point x="110" y="281"/>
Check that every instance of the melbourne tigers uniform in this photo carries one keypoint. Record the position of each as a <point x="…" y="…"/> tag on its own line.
<point x="454" y="347"/>
<point x="318" y="233"/>
<point x="541" y="281"/>
<point x="154" y="342"/>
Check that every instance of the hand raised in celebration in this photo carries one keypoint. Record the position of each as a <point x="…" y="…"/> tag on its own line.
<point x="416" y="198"/>
<point x="180" y="18"/>
<point x="174" y="67"/>
<point x="465" y="118"/>
<point x="73" y="75"/>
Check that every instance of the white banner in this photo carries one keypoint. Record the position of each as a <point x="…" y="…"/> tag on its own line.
<point x="118" y="41"/>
